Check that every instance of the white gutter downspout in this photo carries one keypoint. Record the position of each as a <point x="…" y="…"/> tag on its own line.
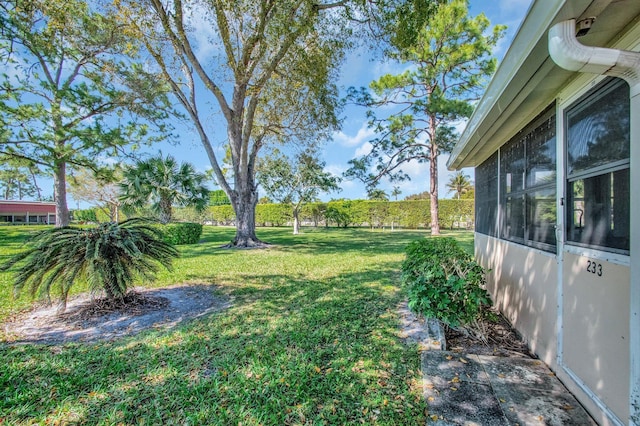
<point x="568" y="53"/>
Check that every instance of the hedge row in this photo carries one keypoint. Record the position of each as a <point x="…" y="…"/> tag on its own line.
<point x="412" y="214"/>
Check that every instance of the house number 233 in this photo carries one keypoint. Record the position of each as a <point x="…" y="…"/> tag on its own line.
<point x="594" y="267"/>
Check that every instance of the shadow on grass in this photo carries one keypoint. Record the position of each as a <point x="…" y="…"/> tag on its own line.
<point x="290" y="351"/>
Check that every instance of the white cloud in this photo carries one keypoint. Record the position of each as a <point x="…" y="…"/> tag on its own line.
<point x="363" y="150"/>
<point x="363" y="135"/>
<point x="335" y="169"/>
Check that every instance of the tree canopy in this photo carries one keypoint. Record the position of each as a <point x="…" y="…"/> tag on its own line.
<point x="266" y="69"/>
<point x="70" y="89"/>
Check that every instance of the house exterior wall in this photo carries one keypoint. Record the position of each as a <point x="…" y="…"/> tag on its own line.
<point x="522" y="284"/>
<point x="27" y="212"/>
<point x="584" y="318"/>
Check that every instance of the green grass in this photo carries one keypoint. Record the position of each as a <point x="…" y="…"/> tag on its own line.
<point x="311" y="338"/>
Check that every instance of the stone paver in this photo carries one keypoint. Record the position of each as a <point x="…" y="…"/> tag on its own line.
<point x="466" y="389"/>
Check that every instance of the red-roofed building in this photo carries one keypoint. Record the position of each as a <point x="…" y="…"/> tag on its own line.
<point x="27" y="212"/>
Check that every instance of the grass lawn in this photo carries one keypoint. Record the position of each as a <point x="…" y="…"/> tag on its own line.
<point x="311" y="338"/>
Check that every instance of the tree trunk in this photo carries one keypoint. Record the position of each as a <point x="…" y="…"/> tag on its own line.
<point x="165" y="210"/>
<point x="35" y="184"/>
<point x="244" y="205"/>
<point x="433" y="184"/>
<point x="60" y="194"/>
<point x="296" y="221"/>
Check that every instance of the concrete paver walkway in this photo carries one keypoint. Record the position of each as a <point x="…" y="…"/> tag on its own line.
<point x="466" y="389"/>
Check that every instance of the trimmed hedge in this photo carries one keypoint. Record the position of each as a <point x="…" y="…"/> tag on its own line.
<point x="412" y="214"/>
<point x="178" y="233"/>
<point x="443" y="281"/>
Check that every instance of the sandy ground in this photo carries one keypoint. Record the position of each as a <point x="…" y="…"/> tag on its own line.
<point x="173" y="306"/>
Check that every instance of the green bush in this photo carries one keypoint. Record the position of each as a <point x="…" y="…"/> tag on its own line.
<point x="443" y="281"/>
<point x="88" y="215"/>
<point x="109" y="257"/>
<point x="181" y="232"/>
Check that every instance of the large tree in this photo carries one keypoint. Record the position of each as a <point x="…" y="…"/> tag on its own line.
<point x="70" y="91"/>
<point x="446" y="65"/>
<point x="267" y="69"/>
<point x="295" y="181"/>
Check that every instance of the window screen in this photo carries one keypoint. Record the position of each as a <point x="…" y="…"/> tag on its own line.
<point x="528" y="184"/>
<point x="598" y="135"/>
<point x="486" y="195"/>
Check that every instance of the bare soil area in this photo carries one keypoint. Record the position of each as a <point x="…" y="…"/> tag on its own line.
<point x="499" y="338"/>
<point x="496" y="337"/>
<point x="89" y="319"/>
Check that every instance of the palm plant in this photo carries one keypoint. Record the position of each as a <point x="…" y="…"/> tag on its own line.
<point x="109" y="257"/>
<point x="459" y="183"/>
<point x="162" y="183"/>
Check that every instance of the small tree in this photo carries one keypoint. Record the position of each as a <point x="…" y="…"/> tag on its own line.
<point x="377" y="195"/>
<point x="162" y="182"/>
<point x="18" y="178"/>
<point x="396" y="191"/>
<point x="460" y="184"/>
<point x="109" y="257"/>
<point x="296" y="182"/>
<point x="100" y="190"/>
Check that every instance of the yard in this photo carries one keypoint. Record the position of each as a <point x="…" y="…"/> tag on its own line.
<point x="311" y="337"/>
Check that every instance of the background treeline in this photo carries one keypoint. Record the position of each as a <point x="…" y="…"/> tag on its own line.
<point x="412" y="214"/>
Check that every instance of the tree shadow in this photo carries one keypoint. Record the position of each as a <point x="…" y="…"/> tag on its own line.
<point x="290" y="350"/>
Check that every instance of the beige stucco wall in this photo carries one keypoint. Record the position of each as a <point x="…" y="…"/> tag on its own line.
<point x="522" y="283"/>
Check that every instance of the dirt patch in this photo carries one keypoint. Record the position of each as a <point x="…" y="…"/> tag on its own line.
<point x="90" y="319"/>
<point x="499" y="337"/>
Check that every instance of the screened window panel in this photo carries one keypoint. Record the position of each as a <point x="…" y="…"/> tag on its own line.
<point x="541" y="155"/>
<point x="486" y="196"/>
<point x="512" y="167"/>
<point x="513" y="224"/>
<point x="598" y="144"/>
<point x="598" y="131"/>
<point x="528" y="184"/>
<point x="599" y="211"/>
<point x="541" y="216"/>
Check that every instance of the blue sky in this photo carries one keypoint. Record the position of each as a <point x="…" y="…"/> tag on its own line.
<point x="352" y="140"/>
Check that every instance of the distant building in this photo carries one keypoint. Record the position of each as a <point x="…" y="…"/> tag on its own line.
<point x="27" y="212"/>
<point x="555" y="142"/>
